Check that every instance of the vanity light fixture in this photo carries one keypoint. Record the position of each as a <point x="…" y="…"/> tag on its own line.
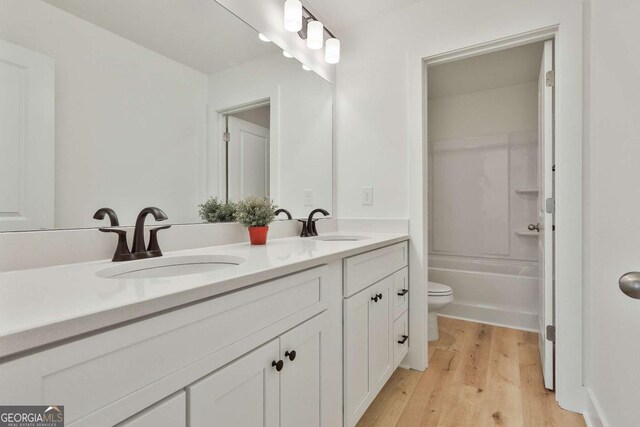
<point x="263" y="37"/>
<point x="315" y="35"/>
<point x="293" y="15"/>
<point x="332" y="51"/>
<point x="286" y="54"/>
<point x="297" y="18"/>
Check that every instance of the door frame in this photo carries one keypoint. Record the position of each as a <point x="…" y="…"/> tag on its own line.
<point x="220" y="144"/>
<point x="568" y="192"/>
<point x="215" y="171"/>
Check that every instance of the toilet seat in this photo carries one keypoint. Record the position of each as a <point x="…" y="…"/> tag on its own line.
<point x="438" y="289"/>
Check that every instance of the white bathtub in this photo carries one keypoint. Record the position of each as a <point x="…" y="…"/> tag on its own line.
<point x="497" y="292"/>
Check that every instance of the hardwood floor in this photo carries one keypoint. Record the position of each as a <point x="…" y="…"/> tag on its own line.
<point x="478" y="375"/>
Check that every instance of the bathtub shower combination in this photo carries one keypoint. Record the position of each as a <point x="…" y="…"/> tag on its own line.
<point x="496" y="292"/>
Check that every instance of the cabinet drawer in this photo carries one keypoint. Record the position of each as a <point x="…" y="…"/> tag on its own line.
<point x="400" y="292"/>
<point x="171" y="411"/>
<point x="400" y="338"/>
<point x="363" y="270"/>
<point x="154" y="358"/>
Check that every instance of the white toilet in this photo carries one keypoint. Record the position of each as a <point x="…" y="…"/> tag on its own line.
<point x="439" y="296"/>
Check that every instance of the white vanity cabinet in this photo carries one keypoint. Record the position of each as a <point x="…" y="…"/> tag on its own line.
<point x="220" y="351"/>
<point x="278" y="384"/>
<point x="375" y="324"/>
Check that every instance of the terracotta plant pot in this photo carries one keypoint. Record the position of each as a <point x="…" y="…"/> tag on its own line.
<point x="258" y="235"/>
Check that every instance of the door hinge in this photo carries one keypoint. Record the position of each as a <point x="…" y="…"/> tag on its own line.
<point x="550" y="205"/>
<point x="226" y="137"/>
<point x="551" y="78"/>
<point x="551" y="333"/>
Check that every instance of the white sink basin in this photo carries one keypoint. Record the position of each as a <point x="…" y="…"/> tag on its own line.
<point x="160" y="267"/>
<point x="340" y="238"/>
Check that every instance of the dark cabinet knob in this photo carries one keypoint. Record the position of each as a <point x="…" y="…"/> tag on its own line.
<point x="278" y="365"/>
<point x="374" y="298"/>
<point x="403" y="292"/>
<point x="403" y="339"/>
<point x="379" y="296"/>
<point x="290" y="354"/>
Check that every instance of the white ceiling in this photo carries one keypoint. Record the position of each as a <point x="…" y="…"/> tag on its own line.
<point x="200" y="34"/>
<point x="340" y="15"/>
<point x="485" y="72"/>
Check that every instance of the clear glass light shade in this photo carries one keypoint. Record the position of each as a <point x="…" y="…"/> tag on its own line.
<point x="315" y="35"/>
<point x="332" y="51"/>
<point x="263" y="37"/>
<point x="293" y="15"/>
<point x="286" y="54"/>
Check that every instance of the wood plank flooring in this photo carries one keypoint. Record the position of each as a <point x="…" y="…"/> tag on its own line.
<point x="478" y="375"/>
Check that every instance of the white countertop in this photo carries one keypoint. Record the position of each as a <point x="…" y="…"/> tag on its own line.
<point x="47" y="305"/>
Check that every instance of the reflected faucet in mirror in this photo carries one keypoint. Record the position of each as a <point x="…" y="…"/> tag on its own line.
<point x="140" y="249"/>
<point x="102" y="212"/>
<point x="284" y="211"/>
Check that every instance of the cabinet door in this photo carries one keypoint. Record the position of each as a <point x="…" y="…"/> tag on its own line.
<point x="356" y="356"/>
<point x="380" y="334"/>
<point x="171" y="411"/>
<point x="244" y="393"/>
<point x="301" y="378"/>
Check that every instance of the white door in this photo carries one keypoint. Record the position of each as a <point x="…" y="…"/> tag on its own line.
<point x="244" y="393"/>
<point x="248" y="173"/>
<point x="545" y="211"/>
<point x="300" y="379"/>
<point x="26" y="139"/>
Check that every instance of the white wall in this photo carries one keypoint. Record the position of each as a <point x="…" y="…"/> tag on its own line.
<point x="301" y="126"/>
<point x="378" y="119"/>
<point x="612" y="154"/>
<point x="125" y="117"/>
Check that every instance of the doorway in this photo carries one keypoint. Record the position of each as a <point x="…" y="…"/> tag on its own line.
<point x="246" y="145"/>
<point x="490" y="140"/>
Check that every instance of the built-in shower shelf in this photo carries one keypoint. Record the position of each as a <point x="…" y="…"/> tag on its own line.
<point x="526" y="190"/>
<point x="527" y="233"/>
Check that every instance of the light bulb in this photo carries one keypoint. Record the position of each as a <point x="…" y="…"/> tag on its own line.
<point x="315" y="36"/>
<point x="293" y="15"/>
<point x="304" y="67"/>
<point x="286" y="54"/>
<point x="332" y="51"/>
<point x="263" y="37"/>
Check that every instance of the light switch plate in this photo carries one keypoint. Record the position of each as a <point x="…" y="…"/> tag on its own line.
<point x="367" y="195"/>
<point x="308" y="197"/>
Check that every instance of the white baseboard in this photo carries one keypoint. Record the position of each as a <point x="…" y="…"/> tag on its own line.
<point x="491" y="316"/>
<point x="593" y="415"/>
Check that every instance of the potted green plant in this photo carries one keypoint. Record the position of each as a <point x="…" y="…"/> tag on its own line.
<point x="214" y="210"/>
<point x="256" y="213"/>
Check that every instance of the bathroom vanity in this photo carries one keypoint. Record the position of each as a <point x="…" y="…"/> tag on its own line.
<point x="273" y="339"/>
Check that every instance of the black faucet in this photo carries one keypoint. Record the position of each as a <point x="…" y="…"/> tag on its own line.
<point x="139" y="250"/>
<point x="284" y="211"/>
<point x="311" y="223"/>
<point x="139" y="246"/>
<point x="102" y="212"/>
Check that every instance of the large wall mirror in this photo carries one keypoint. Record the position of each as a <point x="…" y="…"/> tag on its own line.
<point x="126" y="103"/>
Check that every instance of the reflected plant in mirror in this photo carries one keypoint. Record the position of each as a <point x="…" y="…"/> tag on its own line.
<point x="135" y="115"/>
<point x="214" y="210"/>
